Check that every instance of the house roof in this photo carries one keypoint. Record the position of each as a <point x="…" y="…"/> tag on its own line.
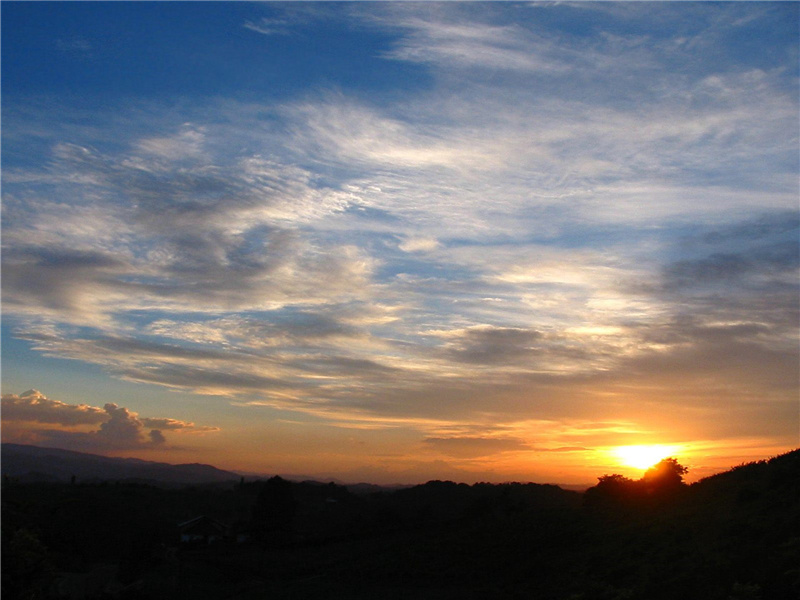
<point x="201" y="522"/>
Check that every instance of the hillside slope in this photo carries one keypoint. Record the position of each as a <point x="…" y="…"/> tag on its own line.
<point x="32" y="463"/>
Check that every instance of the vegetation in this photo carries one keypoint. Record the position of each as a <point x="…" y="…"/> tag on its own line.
<point x="733" y="536"/>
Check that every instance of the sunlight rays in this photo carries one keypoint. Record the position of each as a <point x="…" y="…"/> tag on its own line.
<point x="643" y="456"/>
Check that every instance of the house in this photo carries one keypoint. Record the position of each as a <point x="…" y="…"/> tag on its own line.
<point x="240" y="532"/>
<point x="202" y="529"/>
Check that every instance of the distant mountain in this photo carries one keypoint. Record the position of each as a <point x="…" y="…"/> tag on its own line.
<point x="32" y="463"/>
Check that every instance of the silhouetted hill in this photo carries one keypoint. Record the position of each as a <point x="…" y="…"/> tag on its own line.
<point x="781" y="473"/>
<point x="33" y="463"/>
<point x="733" y="536"/>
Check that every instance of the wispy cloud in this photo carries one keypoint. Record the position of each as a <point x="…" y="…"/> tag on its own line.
<point x="176" y="232"/>
<point x="471" y="447"/>
<point x="268" y="26"/>
<point x="76" y="47"/>
<point x="559" y="224"/>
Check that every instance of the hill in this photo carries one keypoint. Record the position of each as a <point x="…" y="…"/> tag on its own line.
<point x="33" y="463"/>
<point x="732" y="536"/>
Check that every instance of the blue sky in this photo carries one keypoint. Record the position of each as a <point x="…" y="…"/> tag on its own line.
<point x="399" y="241"/>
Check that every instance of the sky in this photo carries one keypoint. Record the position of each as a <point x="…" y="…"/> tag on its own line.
<point x="400" y="241"/>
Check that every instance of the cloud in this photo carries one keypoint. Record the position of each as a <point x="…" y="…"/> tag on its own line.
<point x="763" y="263"/>
<point x="565" y="449"/>
<point x="78" y="47"/>
<point x="555" y="224"/>
<point x="348" y="133"/>
<point x="418" y="244"/>
<point x="207" y="380"/>
<point x="174" y="424"/>
<point x="117" y="427"/>
<point x="474" y="447"/>
<point x="285" y="18"/>
<point x="121" y="428"/>
<point x="35" y="407"/>
<point x="188" y="143"/>
<point x="486" y="344"/>
<point x="274" y="328"/>
<point x="190" y="234"/>
<point x="760" y="227"/>
<point x="463" y="39"/>
<point x="268" y="26"/>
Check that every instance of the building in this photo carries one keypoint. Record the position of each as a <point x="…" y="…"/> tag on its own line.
<point x="202" y="530"/>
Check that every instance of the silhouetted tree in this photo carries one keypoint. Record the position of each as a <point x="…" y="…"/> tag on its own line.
<point x="26" y="566"/>
<point x="664" y="476"/>
<point x="659" y="482"/>
<point x="611" y="490"/>
<point x="274" y="510"/>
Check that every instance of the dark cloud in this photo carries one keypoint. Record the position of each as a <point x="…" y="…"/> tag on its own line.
<point x="493" y="345"/>
<point x="131" y="347"/>
<point x="727" y="333"/>
<point x="58" y="278"/>
<point x="206" y="380"/>
<point x="730" y="268"/>
<point x="765" y="226"/>
<point x="693" y="330"/>
<point x="314" y="325"/>
<point x="760" y="253"/>
<point x="67" y="258"/>
<point x="344" y="366"/>
<point x="718" y="363"/>
<point x="288" y="326"/>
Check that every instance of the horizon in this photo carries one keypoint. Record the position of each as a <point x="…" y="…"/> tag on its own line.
<point x="323" y="479"/>
<point x="385" y="242"/>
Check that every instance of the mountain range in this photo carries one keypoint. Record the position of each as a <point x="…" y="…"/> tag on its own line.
<point x="33" y="463"/>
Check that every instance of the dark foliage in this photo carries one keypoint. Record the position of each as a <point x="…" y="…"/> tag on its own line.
<point x="661" y="484"/>
<point x="732" y="536"/>
<point x="274" y="511"/>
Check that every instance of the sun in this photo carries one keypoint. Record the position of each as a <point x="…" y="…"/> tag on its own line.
<point x="643" y="456"/>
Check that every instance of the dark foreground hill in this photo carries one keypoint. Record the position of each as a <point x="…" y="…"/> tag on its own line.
<point x="734" y="536"/>
<point x="32" y="463"/>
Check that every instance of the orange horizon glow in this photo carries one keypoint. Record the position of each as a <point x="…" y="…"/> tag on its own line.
<point x="644" y="456"/>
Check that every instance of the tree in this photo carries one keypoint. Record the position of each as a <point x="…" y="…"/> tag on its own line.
<point x="667" y="474"/>
<point x="274" y="510"/>
<point x="660" y="482"/>
<point x="611" y="490"/>
<point x="27" y="570"/>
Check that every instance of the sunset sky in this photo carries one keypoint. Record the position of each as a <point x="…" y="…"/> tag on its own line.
<point x="395" y="242"/>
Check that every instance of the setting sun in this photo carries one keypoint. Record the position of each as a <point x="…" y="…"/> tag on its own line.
<point x="643" y="456"/>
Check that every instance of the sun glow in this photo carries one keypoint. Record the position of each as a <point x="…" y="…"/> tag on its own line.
<point x="643" y="456"/>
